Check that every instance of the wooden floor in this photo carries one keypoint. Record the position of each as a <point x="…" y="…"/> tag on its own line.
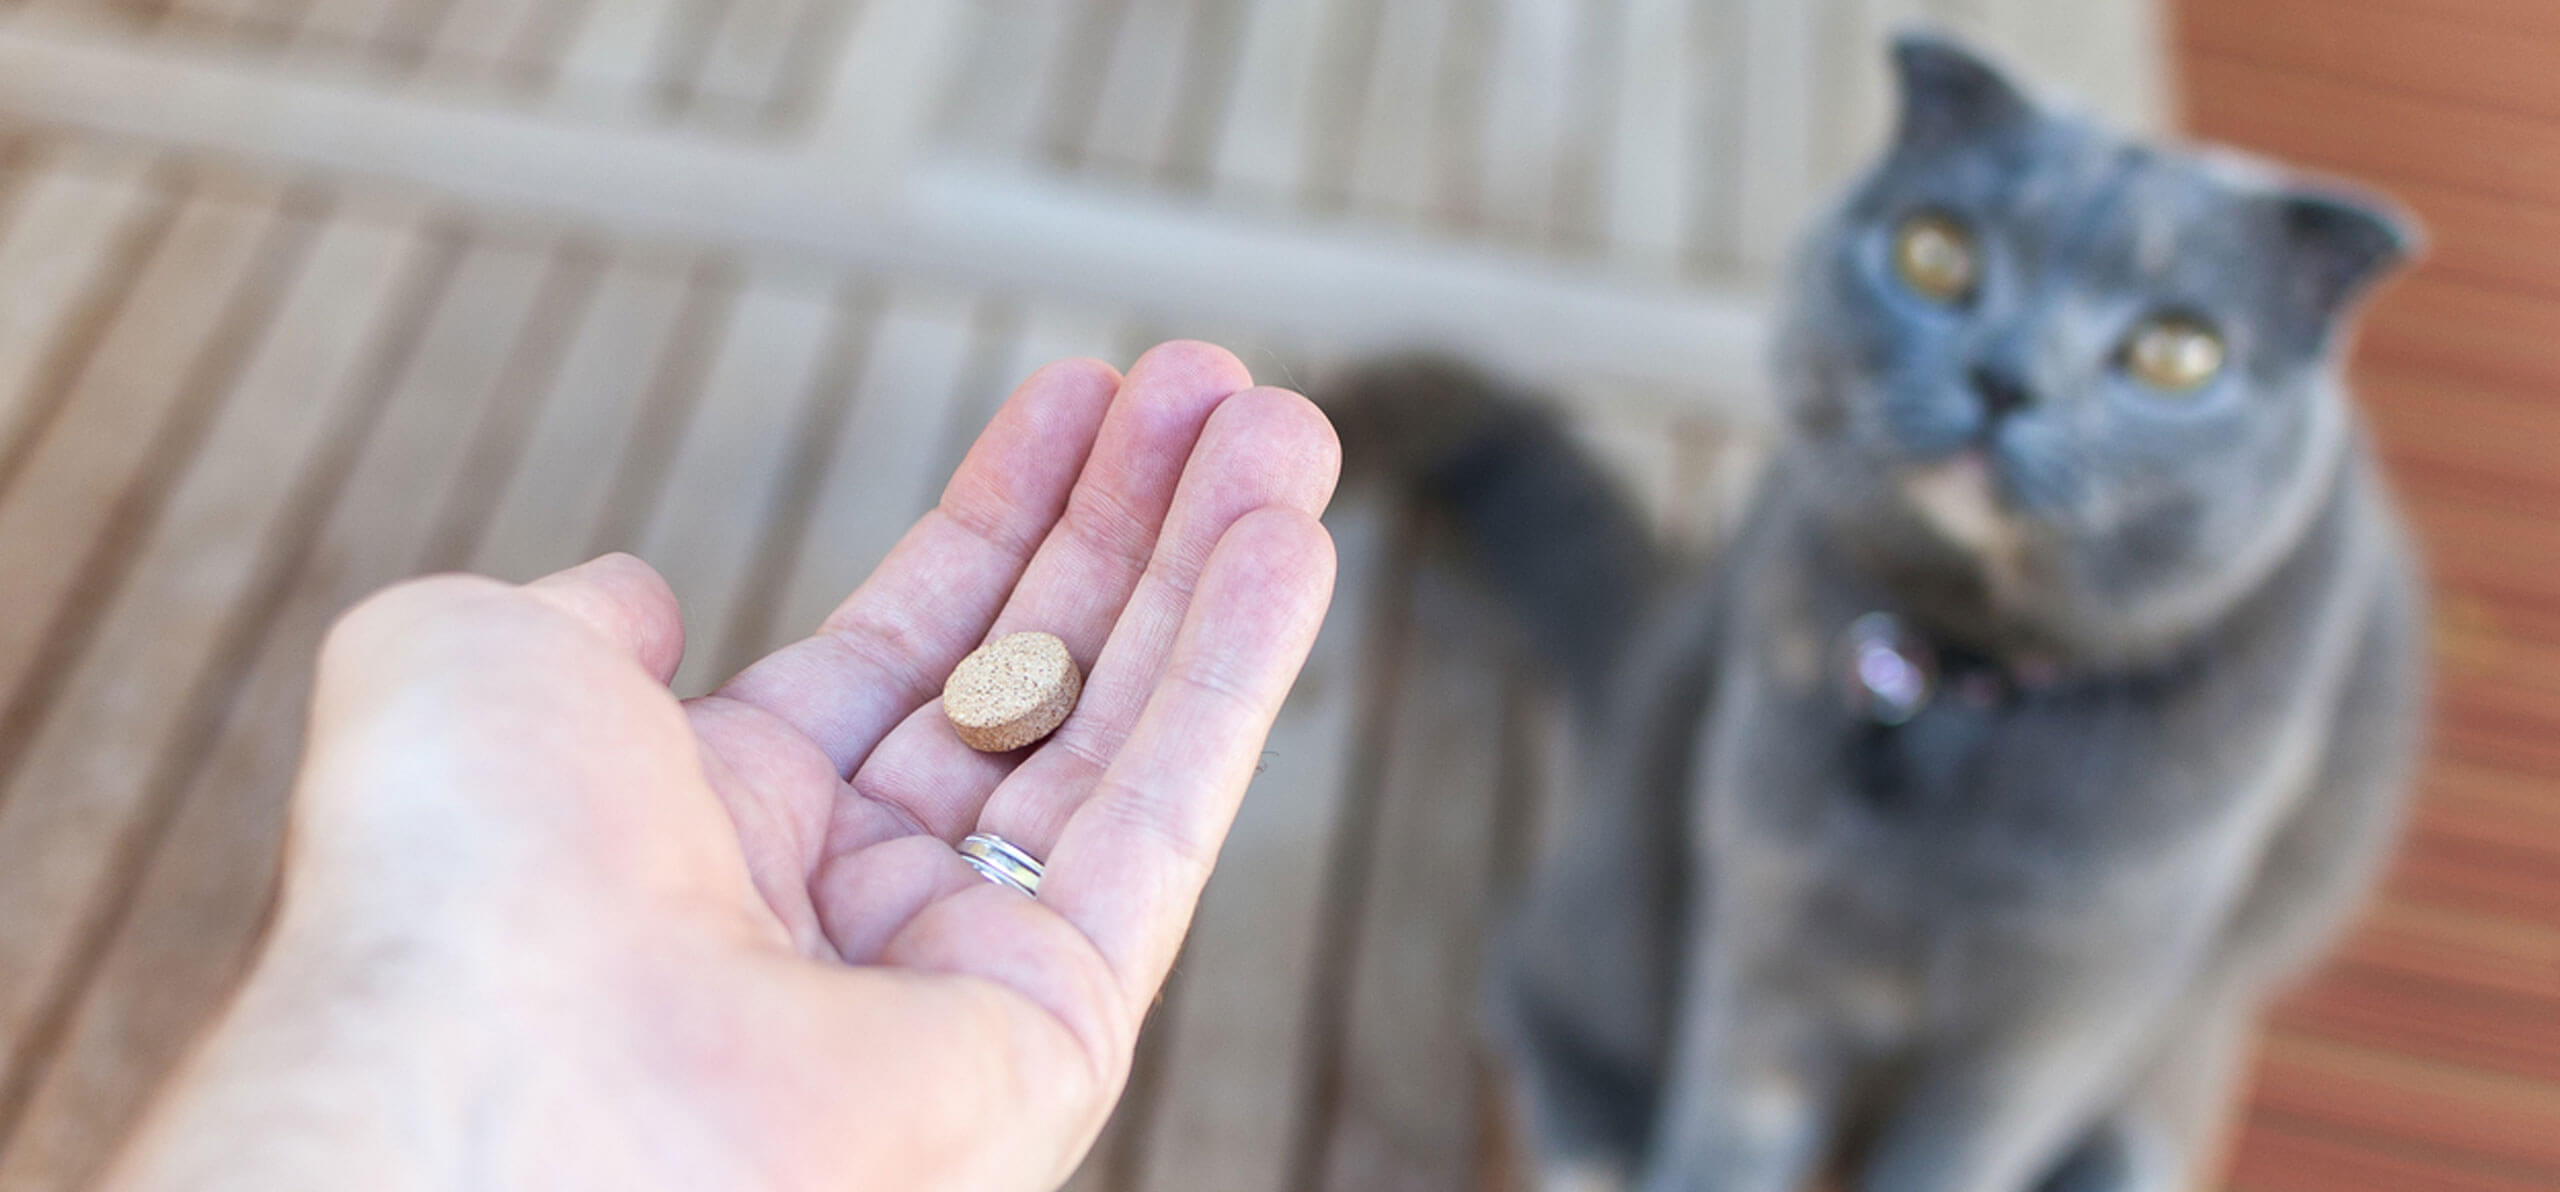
<point x="234" y="397"/>
<point x="2428" y="1056"/>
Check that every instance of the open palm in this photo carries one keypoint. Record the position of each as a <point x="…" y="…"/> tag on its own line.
<point x="628" y="942"/>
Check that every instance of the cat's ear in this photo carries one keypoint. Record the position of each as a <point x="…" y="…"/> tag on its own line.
<point x="2340" y="243"/>
<point x="1950" y="93"/>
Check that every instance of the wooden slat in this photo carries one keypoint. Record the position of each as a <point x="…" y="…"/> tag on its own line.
<point x="884" y="468"/>
<point x="1582" y="154"/>
<point x="1402" y="169"/>
<point x="607" y="69"/>
<point x="2507" y="957"/>
<point x="2107" y="54"/>
<point x="1659" y="129"/>
<point x="587" y="427"/>
<point x="71" y="233"/>
<point x="1130" y="131"/>
<point x="163" y="640"/>
<point x="340" y="27"/>
<point x="2391" y="47"/>
<point x="1856" y="91"/>
<point x="114" y="15"/>
<point x="1524" y="125"/>
<point x="1715" y="102"/>
<point x="211" y="20"/>
<point x="1199" y="113"/>
<point x="101" y="440"/>
<point x="474" y="40"/>
<point x="754" y="43"/>
<point x="540" y="41"/>
<point x="2466" y="553"/>
<point x="2487" y="14"/>
<point x="999" y="359"/>
<point x="1263" y="150"/>
<point x="55" y="841"/>
<point x="711" y="516"/>
<point x="2339" y="125"/>
<point x="2394" y="1098"/>
<point x="1777" y="130"/>
<point x="949" y="218"/>
<point x="2481" y="877"/>
<point x="994" y="102"/>
<point x="1049" y="332"/>
<point x="755" y="628"/>
<point x="2486" y="441"/>
<point x="2432" y="1020"/>
<point x="18" y="148"/>
<point x="2468" y="799"/>
<point x="2279" y="1153"/>
<point x="264" y="24"/>
<point x="498" y="442"/>
<point x="1232" y="1093"/>
<point x="1406" y="1109"/>
<point x="2447" y="326"/>
<point x="681" y="45"/>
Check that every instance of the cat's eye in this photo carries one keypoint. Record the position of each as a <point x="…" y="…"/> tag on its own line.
<point x="1935" y="256"/>
<point x="2173" y="354"/>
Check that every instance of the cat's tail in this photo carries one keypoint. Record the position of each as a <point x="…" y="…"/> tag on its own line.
<point x="1536" y="517"/>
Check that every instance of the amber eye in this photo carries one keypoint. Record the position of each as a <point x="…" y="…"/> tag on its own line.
<point x="2173" y="354"/>
<point x="1934" y="255"/>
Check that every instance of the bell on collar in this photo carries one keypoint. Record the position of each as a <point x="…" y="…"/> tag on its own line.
<point x="1888" y="672"/>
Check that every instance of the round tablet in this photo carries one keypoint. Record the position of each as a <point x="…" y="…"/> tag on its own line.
<point x="1011" y="691"/>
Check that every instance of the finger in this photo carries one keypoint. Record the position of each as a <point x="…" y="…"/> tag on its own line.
<point x="628" y="602"/>
<point x="1075" y="587"/>
<point x="1129" y="867"/>
<point x="886" y="650"/>
<point x="864" y="898"/>
<point x="776" y="786"/>
<point x="1266" y="449"/>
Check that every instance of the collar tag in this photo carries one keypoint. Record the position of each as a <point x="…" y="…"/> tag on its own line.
<point x="1889" y="673"/>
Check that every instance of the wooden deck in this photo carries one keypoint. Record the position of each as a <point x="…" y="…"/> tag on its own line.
<point x="248" y="373"/>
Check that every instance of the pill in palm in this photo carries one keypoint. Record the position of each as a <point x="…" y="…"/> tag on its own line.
<point x="1011" y="691"/>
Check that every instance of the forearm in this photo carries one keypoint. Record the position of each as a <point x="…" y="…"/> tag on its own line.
<point x="309" y="1080"/>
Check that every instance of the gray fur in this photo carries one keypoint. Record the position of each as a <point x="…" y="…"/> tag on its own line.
<point x="2012" y="945"/>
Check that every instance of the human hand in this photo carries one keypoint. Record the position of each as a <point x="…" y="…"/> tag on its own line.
<point x="545" y="926"/>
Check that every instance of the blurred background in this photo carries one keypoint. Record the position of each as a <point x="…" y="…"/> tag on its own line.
<point x="301" y="296"/>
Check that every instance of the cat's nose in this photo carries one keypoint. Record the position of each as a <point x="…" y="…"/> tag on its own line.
<point x="2001" y="393"/>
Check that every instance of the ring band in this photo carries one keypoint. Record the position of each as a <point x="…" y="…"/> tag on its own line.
<point x="998" y="861"/>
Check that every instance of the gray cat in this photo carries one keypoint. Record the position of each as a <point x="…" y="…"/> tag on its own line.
<point x="2054" y="702"/>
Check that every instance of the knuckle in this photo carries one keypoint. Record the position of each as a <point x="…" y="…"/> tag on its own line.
<point x="980" y="511"/>
<point x="885" y="642"/>
<point x="1108" y="527"/>
<point x="409" y="607"/>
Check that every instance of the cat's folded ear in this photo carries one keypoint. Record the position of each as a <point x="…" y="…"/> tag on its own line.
<point x="2342" y="242"/>
<point x="1950" y="93"/>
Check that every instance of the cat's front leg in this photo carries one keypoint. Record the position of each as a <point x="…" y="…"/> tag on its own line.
<point x="1995" y="1110"/>
<point x="2162" y="1135"/>
<point x="1744" y="1116"/>
<point x="1756" y="1076"/>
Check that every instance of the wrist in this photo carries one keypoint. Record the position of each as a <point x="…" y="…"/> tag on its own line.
<point x="321" y="1073"/>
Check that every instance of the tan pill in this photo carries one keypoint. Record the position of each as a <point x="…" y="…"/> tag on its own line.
<point x="1012" y="691"/>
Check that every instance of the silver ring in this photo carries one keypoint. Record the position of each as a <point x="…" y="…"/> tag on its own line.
<point x="998" y="861"/>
